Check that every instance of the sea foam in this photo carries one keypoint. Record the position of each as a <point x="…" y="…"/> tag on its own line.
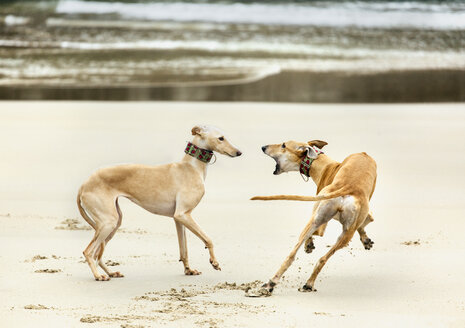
<point x="361" y="14"/>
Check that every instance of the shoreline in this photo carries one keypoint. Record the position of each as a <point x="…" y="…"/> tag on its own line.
<point x="287" y="86"/>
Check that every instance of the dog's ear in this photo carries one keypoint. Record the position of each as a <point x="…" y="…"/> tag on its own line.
<point x="303" y="150"/>
<point x="312" y="153"/>
<point x="307" y="151"/>
<point x="318" y="143"/>
<point x="196" y="130"/>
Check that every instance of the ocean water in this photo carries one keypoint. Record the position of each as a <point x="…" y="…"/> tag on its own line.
<point x="121" y="43"/>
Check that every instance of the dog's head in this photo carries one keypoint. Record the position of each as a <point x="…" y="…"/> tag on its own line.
<point x="212" y="138"/>
<point x="289" y="154"/>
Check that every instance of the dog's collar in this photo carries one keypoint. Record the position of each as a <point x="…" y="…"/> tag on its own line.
<point x="203" y="155"/>
<point x="306" y="162"/>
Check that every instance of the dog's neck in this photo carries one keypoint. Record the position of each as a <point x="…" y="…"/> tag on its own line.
<point x="201" y="154"/>
<point x="198" y="164"/>
<point x="306" y="162"/>
<point x="318" y="167"/>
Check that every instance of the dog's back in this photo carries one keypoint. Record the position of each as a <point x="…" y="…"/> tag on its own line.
<point x="328" y="175"/>
<point x="358" y="172"/>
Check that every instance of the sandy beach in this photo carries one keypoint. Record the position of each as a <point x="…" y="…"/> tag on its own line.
<point x="413" y="277"/>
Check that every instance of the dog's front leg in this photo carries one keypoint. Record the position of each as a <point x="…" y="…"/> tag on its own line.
<point x="187" y="220"/>
<point x="183" y="250"/>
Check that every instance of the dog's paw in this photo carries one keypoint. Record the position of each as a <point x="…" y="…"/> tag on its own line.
<point x="368" y="243"/>
<point x="306" y="288"/>
<point x="102" y="278"/>
<point x="116" y="274"/>
<point x="309" y="245"/>
<point x="191" y="272"/>
<point x="215" y="265"/>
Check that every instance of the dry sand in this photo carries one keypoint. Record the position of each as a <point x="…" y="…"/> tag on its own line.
<point x="413" y="277"/>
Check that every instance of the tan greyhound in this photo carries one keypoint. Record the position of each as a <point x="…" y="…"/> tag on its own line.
<point x="344" y="191"/>
<point x="172" y="190"/>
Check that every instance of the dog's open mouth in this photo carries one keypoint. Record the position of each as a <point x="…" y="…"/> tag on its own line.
<point x="277" y="168"/>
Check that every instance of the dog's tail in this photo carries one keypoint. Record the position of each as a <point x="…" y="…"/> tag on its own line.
<point x="333" y="194"/>
<point x="83" y="212"/>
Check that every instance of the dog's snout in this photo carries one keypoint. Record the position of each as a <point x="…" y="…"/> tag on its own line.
<point x="264" y="148"/>
<point x="238" y="153"/>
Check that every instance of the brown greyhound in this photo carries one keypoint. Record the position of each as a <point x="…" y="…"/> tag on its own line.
<point x="344" y="192"/>
<point x="172" y="190"/>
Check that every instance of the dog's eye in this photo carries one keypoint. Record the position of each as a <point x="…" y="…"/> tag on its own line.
<point x="221" y="138"/>
<point x="283" y="145"/>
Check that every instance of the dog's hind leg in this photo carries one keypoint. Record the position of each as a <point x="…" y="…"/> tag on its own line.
<point x="99" y="253"/>
<point x="181" y="230"/>
<point x="115" y="274"/>
<point x="95" y="249"/>
<point x="321" y="215"/>
<point x="106" y="222"/>
<point x="367" y="242"/>
<point x="89" y="258"/>
<point x="350" y="220"/>
<point x="342" y="241"/>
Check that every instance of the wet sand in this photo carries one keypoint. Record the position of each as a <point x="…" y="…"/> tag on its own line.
<point x="413" y="277"/>
<point x="423" y="85"/>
